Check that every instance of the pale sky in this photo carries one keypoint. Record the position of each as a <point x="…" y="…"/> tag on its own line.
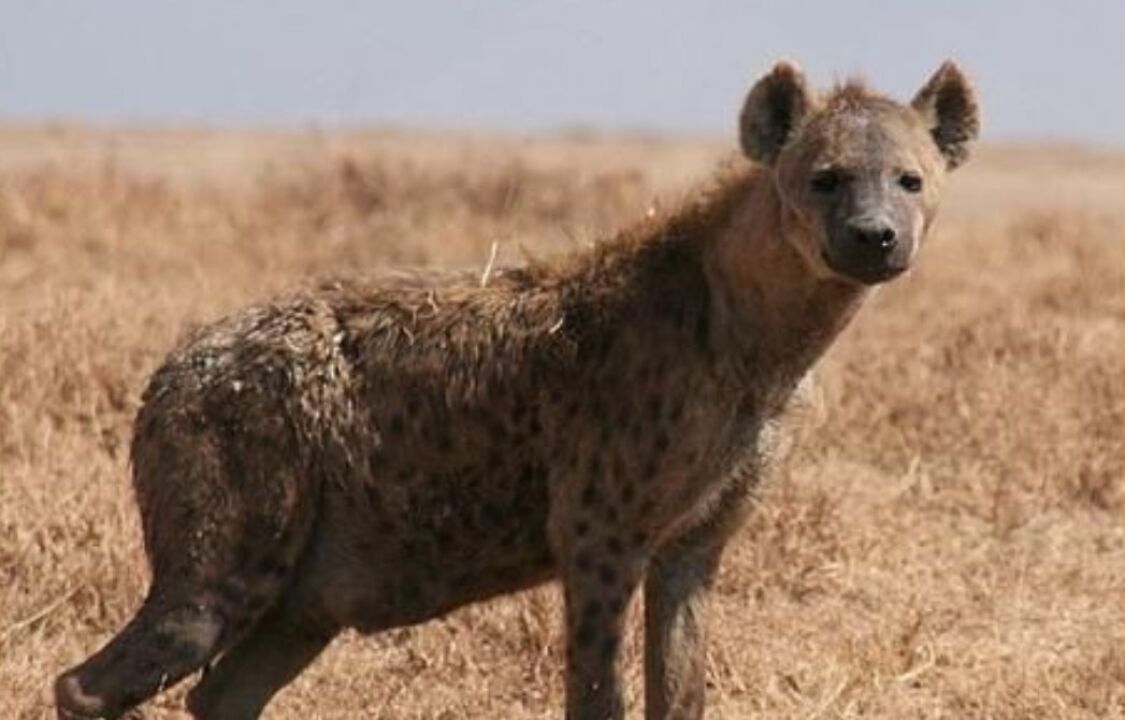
<point x="1045" y="69"/>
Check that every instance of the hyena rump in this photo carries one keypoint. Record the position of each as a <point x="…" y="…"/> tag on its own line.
<point x="373" y="455"/>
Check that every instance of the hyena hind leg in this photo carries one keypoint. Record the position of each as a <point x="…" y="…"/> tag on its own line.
<point x="242" y="682"/>
<point x="161" y="644"/>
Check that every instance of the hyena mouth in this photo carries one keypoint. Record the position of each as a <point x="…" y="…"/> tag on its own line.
<point x="868" y="272"/>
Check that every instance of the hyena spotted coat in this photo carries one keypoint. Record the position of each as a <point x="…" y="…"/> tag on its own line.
<point x="370" y="455"/>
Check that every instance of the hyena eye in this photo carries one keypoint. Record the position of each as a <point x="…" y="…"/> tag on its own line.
<point x="825" y="181"/>
<point x="911" y="182"/>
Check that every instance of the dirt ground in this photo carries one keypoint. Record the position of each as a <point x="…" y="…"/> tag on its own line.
<point x="948" y="541"/>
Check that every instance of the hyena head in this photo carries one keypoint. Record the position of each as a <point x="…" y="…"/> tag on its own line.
<point x="859" y="175"/>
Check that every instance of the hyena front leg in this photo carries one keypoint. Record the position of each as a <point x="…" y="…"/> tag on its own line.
<point x="677" y="588"/>
<point x="598" y="589"/>
<point x="676" y="591"/>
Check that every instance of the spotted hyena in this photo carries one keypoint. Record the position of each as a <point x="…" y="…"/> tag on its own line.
<point x="374" y="454"/>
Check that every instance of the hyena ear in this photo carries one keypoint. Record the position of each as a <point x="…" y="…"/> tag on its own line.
<point x="948" y="106"/>
<point x="774" y="106"/>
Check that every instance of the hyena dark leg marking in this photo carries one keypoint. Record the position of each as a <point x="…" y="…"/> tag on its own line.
<point x="240" y="685"/>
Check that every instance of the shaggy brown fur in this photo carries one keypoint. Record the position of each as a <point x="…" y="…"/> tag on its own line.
<point x="375" y="454"/>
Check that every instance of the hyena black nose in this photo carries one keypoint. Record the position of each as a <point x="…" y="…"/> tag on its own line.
<point x="875" y="236"/>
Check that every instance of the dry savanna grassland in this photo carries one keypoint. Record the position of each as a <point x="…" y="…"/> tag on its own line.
<point x="948" y="541"/>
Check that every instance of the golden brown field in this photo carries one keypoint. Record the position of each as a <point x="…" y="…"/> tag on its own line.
<point x="949" y="541"/>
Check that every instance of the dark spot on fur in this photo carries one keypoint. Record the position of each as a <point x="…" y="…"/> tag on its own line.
<point x="163" y="641"/>
<point x="374" y="499"/>
<point x="187" y="516"/>
<point x="411" y="593"/>
<point x="676" y="410"/>
<point x="584" y="561"/>
<point x="410" y="547"/>
<point x="244" y="553"/>
<point x="638" y="538"/>
<point x="589" y="495"/>
<point x="595" y="464"/>
<point x="257" y="602"/>
<point x="494" y="425"/>
<point x="617" y="604"/>
<point x="493" y="514"/>
<point x="662" y="442"/>
<point x="509" y="541"/>
<point x="597" y="406"/>
<point x="605" y="430"/>
<point x="572" y="409"/>
<point x="469" y="525"/>
<point x="534" y="426"/>
<point x="581" y="528"/>
<point x="397" y="426"/>
<point x="231" y="591"/>
<point x="527" y="475"/>
<point x="444" y="441"/>
<point x="584" y="635"/>
<point x="703" y="332"/>
<point x="609" y="646"/>
<point x="495" y="459"/>
<point x="643" y="373"/>
<point x="628" y="492"/>
<point x="636" y="430"/>
<point x="545" y="557"/>
<point x="573" y="460"/>
<point x="611" y="515"/>
<point x="607" y="573"/>
<point x="384" y="525"/>
<point x="519" y="411"/>
<point x="591" y="611"/>
<point x="623" y="412"/>
<point x="619" y="468"/>
<point x="614" y="545"/>
<point x="508" y="573"/>
<point x="445" y="540"/>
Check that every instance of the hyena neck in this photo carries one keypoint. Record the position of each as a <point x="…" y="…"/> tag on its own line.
<point x="776" y="314"/>
<point x="716" y="275"/>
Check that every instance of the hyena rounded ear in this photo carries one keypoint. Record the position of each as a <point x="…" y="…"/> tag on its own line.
<point x="948" y="105"/>
<point x="774" y="106"/>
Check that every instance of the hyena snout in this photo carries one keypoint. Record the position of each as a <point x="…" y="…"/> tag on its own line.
<point x="875" y="238"/>
<point x="870" y="251"/>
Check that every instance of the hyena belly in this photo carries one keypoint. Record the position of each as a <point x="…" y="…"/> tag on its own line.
<point x="447" y="507"/>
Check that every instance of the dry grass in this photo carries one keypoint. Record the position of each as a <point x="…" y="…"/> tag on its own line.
<point x="949" y="542"/>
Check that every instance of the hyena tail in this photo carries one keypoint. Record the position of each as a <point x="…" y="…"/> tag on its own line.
<point x="225" y="523"/>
